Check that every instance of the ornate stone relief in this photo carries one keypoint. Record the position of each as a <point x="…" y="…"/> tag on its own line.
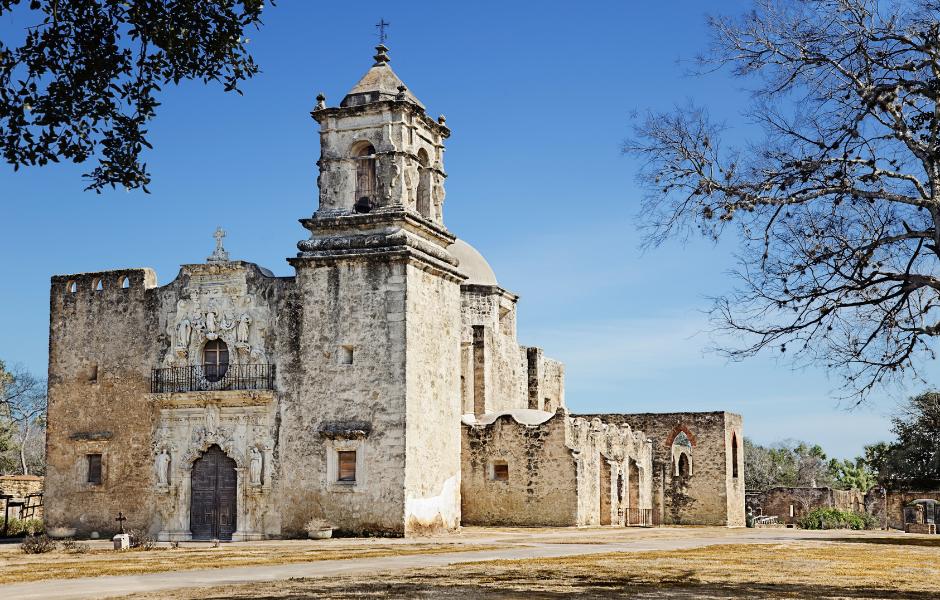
<point x="218" y="308"/>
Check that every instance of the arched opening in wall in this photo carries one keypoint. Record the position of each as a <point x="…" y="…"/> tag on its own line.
<point x="364" y="155"/>
<point x="734" y="455"/>
<point x="125" y="283"/>
<point x="71" y="287"/>
<point x="215" y="360"/>
<point x="98" y="285"/>
<point x="684" y="468"/>
<point x="605" y="507"/>
<point x="633" y="481"/>
<point x="424" y="184"/>
<point x="213" y="505"/>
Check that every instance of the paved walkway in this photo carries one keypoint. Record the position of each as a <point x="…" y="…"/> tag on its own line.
<point x="517" y="547"/>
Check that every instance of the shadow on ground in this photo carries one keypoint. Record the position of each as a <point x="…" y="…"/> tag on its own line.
<point x="913" y="540"/>
<point x="302" y="589"/>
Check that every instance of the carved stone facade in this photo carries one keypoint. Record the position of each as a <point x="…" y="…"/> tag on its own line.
<point x="381" y="388"/>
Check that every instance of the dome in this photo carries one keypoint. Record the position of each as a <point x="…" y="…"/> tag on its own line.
<point x="472" y="264"/>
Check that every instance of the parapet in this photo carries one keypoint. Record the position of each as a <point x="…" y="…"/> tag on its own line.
<point x="83" y="284"/>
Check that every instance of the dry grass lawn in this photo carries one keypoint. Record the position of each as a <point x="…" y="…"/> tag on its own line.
<point x="20" y="568"/>
<point x="858" y="568"/>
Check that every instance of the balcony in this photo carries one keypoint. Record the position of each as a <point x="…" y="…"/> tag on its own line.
<point x="212" y="378"/>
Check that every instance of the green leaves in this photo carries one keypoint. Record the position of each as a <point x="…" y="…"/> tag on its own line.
<point x="82" y="82"/>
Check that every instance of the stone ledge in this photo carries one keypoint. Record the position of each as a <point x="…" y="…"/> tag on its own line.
<point x="222" y="398"/>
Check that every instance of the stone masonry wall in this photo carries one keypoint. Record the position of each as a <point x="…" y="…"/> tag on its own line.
<point x="359" y="305"/>
<point x="432" y="462"/>
<point x="542" y="489"/>
<point x="789" y="504"/>
<point x="711" y="495"/>
<point x="102" y="345"/>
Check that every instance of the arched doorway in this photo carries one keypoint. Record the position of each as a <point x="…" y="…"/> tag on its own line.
<point x="213" y="507"/>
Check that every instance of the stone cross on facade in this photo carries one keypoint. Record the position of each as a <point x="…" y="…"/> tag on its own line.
<point x="220" y="254"/>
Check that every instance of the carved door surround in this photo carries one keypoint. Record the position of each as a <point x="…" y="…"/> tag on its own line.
<point x="240" y="426"/>
<point x="214" y="491"/>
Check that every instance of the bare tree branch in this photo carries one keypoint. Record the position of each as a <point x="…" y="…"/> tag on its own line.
<point x="838" y="205"/>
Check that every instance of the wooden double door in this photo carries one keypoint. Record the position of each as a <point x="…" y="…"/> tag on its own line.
<point x="212" y="514"/>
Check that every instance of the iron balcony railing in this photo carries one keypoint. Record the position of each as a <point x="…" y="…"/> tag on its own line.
<point x="212" y="378"/>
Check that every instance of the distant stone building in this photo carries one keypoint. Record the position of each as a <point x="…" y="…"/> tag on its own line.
<point x="381" y="387"/>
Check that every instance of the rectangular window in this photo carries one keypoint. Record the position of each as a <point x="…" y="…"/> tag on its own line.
<point x="94" y="468"/>
<point x="500" y="471"/>
<point x="346" y="460"/>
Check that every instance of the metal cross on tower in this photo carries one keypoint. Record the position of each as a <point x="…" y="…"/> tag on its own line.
<point x="381" y="25"/>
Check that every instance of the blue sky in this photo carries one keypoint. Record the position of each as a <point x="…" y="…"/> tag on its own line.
<point x="539" y="99"/>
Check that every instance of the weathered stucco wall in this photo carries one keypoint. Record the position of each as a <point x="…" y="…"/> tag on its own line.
<point x="711" y="495"/>
<point x="103" y="347"/>
<point x="561" y="471"/>
<point x="494" y="369"/>
<point x="542" y="485"/>
<point x="432" y="463"/>
<point x="102" y="344"/>
<point x="359" y="304"/>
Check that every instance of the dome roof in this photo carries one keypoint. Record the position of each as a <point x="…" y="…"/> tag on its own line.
<point x="472" y="263"/>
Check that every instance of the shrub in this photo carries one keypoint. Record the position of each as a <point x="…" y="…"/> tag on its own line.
<point x="70" y="545"/>
<point x="142" y="540"/>
<point x="23" y="527"/>
<point x="833" y="518"/>
<point x="37" y="544"/>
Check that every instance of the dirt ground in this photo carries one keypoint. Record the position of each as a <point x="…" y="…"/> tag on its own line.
<point x="856" y="567"/>
<point x="16" y="567"/>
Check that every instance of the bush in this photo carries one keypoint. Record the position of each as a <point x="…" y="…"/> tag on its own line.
<point x="37" y="544"/>
<point x="23" y="527"/>
<point x="70" y="545"/>
<point x="141" y="540"/>
<point x="833" y="518"/>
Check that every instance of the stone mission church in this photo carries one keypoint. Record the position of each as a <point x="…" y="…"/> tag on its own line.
<point x="381" y="388"/>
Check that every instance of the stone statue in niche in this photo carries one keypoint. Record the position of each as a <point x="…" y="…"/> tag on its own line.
<point x="254" y="466"/>
<point x="212" y="324"/>
<point x="242" y="329"/>
<point x="163" y="468"/>
<point x="212" y="419"/>
<point x="184" y="333"/>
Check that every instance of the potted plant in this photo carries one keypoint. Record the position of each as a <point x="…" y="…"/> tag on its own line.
<point x="318" y="529"/>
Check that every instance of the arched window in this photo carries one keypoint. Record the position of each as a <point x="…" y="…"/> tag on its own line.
<point x="365" y="179"/>
<point x="71" y="287"/>
<point x="215" y="360"/>
<point x="125" y="283"/>
<point x="734" y="455"/>
<point x="684" y="469"/>
<point x="424" y="184"/>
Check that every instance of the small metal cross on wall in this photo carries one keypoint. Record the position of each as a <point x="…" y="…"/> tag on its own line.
<point x="120" y="519"/>
<point x="381" y="25"/>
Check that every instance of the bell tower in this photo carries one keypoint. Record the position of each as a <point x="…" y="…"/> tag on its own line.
<point x="379" y="323"/>
<point x="379" y="151"/>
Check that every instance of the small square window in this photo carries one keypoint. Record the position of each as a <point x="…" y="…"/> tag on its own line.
<point x="346" y="463"/>
<point x="94" y="468"/>
<point x="345" y="355"/>
<point x="500" y="471"/>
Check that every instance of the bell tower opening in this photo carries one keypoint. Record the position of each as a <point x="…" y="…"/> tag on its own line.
<point x="424" y="184"/>
<point x="365" y="178"/>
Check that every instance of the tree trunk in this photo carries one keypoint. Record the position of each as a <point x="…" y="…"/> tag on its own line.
<point x="23" y="441"/>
